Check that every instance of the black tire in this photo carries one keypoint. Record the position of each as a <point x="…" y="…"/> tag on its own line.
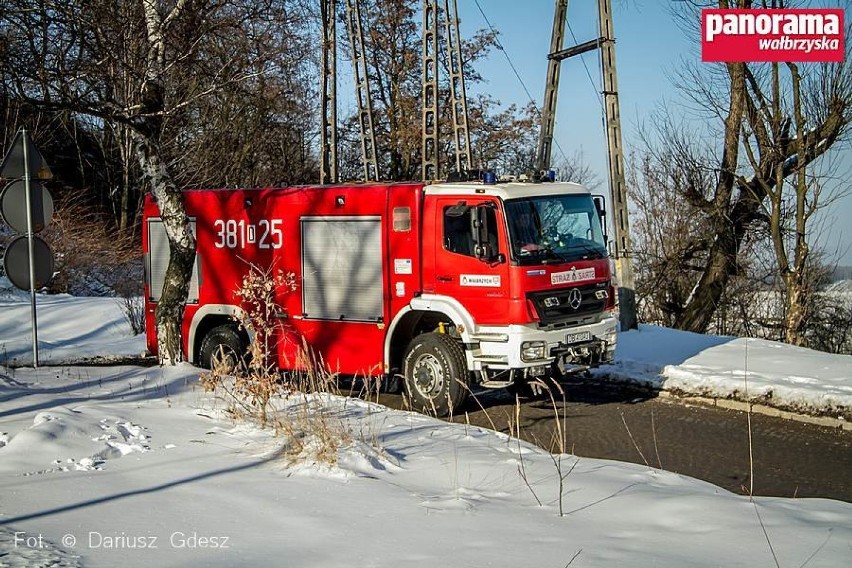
<point x="223" y="349"/>
<point x="436" y="376"/>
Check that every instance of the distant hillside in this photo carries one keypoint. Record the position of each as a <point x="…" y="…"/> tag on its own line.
<point x="841" y="273"/>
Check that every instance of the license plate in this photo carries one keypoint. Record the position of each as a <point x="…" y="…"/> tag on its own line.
<point x="578" y="337"/>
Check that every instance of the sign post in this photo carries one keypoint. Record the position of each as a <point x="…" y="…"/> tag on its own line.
<point x="33" y="316"/>
<point x="23" y="161"/>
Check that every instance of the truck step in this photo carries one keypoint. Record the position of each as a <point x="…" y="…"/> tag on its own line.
<point x="495" y="384"/>
<point x="491" y="358"/>
<point x="490" y="337"/>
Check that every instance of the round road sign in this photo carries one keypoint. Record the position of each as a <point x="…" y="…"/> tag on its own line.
<point x="17" y="265"/>
<point x="13" y="206"/>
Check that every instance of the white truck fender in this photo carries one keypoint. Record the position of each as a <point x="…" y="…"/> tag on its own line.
<point x="235" y="312"/>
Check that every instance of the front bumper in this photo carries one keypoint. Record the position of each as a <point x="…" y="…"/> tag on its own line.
<point x="499" y="348"/>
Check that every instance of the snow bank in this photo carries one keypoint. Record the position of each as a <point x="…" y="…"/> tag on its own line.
<point x="70" y="329"/>
<point x="106" y="466"/>
<point x="726" y="367"/>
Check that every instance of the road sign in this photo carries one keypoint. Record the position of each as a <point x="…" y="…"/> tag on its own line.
<point x="13" y="206"/>
<point x="28" y="260"/>
<point x="16" y="262"/>
<point x="13" y="164"/>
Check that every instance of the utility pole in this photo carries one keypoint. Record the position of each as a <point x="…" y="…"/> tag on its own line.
<point x="362" y="91"/>
<point x="429" y="98"/>
<point x="458" y="94"/>
<point x="551" y="89"/>
<point x="615" y="152"/>
<point x="328" y="96"/>
<point x="618" y="187"/>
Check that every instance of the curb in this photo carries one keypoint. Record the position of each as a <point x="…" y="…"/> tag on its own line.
<point x="762" y="409"/>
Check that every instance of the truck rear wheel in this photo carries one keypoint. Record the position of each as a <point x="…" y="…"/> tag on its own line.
<point x="435" y="374"/>
<point x="222" y="349"/>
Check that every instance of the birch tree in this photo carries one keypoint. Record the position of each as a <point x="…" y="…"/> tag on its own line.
<point x="141" y="64"/>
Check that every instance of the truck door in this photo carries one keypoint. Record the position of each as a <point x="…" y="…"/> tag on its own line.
<point x="470" y="257"/>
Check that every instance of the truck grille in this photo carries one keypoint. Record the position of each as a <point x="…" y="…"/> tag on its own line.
<point x="569" y="304"/>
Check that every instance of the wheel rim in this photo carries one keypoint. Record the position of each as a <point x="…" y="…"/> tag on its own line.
<point x="428" y="375"/>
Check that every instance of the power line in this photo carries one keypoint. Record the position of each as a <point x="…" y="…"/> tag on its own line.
<point x="515" y="70"/>
<point x="505" y="53"/>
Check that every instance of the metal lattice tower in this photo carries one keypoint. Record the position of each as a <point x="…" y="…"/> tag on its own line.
<point x="362" y="91"/>
<point x="429" y="98"/>
<point x="458" y="94"/>
<point x="551" y="89"/>
<point x="328" y="100"/>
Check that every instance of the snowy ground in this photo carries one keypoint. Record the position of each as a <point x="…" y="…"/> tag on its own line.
<point x="70" y="329"/>
<point x="101" y="466"/>
<point x="754" y="370"/>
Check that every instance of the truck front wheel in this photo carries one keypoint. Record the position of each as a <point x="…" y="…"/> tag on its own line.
<point x="222" y="349"/>
<point x="435" y="374"/>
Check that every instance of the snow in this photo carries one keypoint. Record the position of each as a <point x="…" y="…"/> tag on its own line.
<point x="742" y="368"/>
<point x="70" y="329"/>
<point x="839" y="287"/>
<point x="131" y="466"/>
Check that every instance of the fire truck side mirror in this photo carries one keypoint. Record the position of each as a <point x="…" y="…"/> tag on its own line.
<point x="487" y="253"/>
<point x="600" y="205"/>
<point x="484" y="234"/>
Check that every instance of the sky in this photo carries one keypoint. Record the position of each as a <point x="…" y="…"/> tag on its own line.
<point x="649" y="47"/>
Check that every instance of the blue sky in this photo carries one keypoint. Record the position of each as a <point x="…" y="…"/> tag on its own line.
<point x="649" y="46"/>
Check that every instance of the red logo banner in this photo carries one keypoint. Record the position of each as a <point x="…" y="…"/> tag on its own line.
<point x="798" y="35"/>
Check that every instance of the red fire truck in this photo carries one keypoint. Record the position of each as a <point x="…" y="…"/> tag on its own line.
<point x="444" y="286"/>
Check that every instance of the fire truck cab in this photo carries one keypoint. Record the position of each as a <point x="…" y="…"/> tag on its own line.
<point x="443" y="286"/>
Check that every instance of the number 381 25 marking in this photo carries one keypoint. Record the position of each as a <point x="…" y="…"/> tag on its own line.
<point x="239" y="234"/>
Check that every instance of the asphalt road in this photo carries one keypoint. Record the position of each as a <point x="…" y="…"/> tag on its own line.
<point x="605" y="420"/>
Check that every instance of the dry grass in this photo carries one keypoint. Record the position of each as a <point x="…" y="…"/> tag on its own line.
<point x="92" y="258"/>
<point x="292" y="403"/>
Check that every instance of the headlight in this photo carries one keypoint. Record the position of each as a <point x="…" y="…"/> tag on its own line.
<point x="533" y="351"/>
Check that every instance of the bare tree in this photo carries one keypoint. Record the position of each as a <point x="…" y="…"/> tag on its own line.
<point x="502" y="140"/>
<point x="392" y="45"/>
<point x="761" y="143"/>
<point x="143" y="65"/>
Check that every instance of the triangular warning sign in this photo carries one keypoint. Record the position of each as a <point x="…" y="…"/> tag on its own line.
<point x="13" y="164"/>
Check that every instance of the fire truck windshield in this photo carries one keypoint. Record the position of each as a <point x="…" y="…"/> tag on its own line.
<point x="554" y="228"/>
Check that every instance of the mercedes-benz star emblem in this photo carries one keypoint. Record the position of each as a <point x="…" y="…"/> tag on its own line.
<point x="575" y="298"/>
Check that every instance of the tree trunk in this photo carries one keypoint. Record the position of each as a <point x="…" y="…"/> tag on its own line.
<point x="708" y="293"/>
<point x="148" y="130"/>
<point x="169" y="316"/>
<point x="795" y="316"/>
<point x="796" y="279"/>
<point x="722" y="261"/>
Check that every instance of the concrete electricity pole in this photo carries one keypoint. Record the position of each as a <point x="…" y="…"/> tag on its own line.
<point x="618" y="187"/>
<point x="551" y="89"/>
<point x="362" y="91"/>
<point x="615" y="152"/>
<point x="429" y="99"/>
<point x="328" y="100"/>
